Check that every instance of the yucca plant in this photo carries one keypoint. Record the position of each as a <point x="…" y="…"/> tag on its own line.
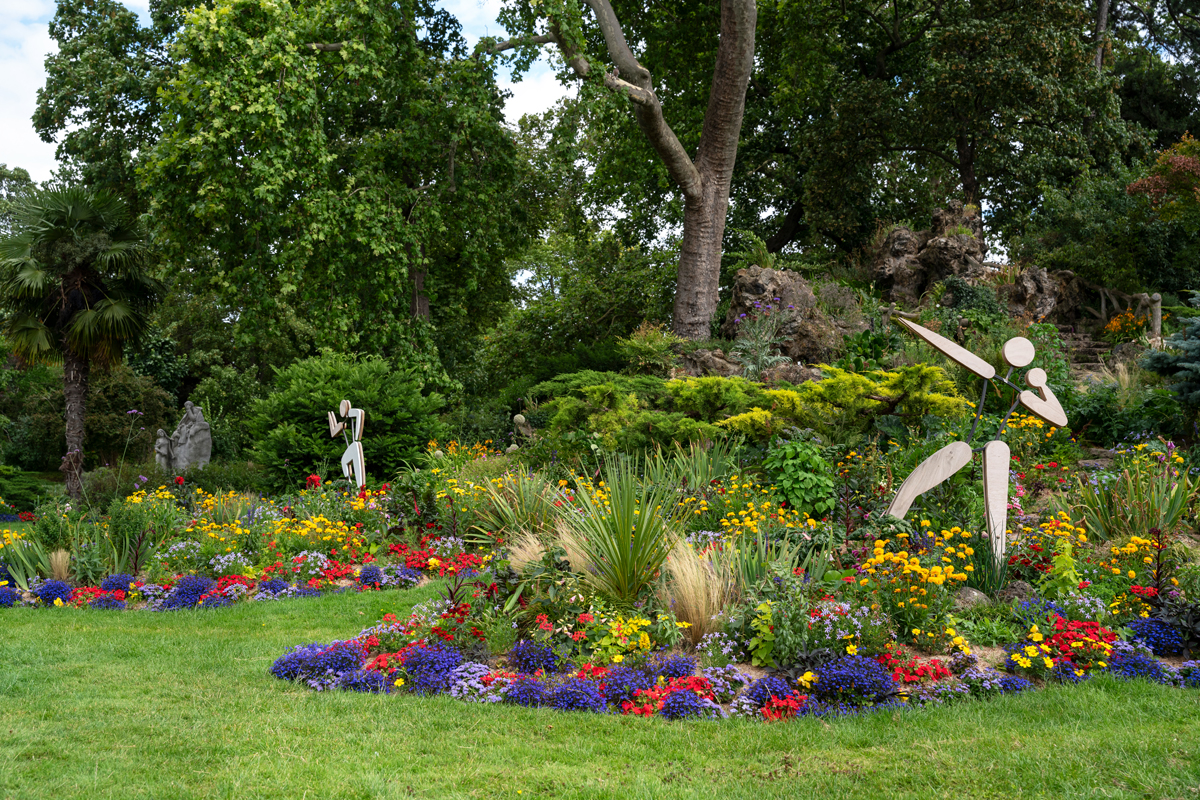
<point x="518" y="502"/>
<point x="1144" y="495"/>
<point x="623" y="535"/>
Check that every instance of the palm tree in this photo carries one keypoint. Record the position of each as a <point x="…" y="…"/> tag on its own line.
<point x="74" y="287"/>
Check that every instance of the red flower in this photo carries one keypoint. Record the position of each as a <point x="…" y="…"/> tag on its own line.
<point x="313" y="482"/>
<point x="586" y="618"/>
<point x="179" y="480"/>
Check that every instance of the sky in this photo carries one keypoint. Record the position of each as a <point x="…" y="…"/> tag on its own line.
<point x="25" y="42"/>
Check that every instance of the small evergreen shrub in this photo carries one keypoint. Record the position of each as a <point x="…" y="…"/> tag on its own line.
<point x="290" y="424"/>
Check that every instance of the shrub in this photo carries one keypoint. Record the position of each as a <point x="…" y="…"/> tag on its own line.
<point x="112" y="434"/>
<point x="20" y="490"/>
<point x="650" y="349"/>
<point x="290" y="425"/>
<point x="1178" y="361"/>
<point x="801" y="475"/>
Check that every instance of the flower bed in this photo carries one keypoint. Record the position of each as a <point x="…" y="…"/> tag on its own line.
<point x="391" y="658"/>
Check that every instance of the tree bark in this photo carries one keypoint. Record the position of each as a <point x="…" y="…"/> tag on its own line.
<point x="419" y="307"/>
<point x="699" y="273"/>
<point x="75" y="385"/>
<point x="704" y="181"/>
<point x="966" y="169"/>
<point x="788" y="230"/>
<point x="1101" y="27"/>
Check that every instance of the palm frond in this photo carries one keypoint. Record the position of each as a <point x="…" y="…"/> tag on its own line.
<point x="29" y="280"/>
<point x="31" y="338"/>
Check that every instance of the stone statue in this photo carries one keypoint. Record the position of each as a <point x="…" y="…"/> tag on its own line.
<point x="189" y="446"/>
<point x="162" y="451"/>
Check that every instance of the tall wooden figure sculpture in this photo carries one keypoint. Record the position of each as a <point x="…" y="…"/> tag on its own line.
<point x="353" y="465"/>
<point x="1017" y="354"/>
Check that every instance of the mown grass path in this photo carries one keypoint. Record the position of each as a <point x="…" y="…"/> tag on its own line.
<point x="179" y="705"/>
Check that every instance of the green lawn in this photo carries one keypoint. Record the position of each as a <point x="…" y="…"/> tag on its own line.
<point x="180" y="705"/>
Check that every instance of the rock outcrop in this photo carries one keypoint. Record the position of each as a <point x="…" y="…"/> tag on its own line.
<point x="909" y="262"/>
<point x="700" y="363"/>
<point x="817" y="318"/>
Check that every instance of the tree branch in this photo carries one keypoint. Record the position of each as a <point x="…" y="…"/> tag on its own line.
<point x="512" y="44"/>
<point x="618" y="48"/>
<point x="640" y="90"/>
<point x="722" y="129"/>
<point x="321" y="47"/>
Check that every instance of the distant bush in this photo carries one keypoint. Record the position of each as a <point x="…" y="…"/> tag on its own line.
<point x="290" y="430"/>
<point x="37" y="430"/>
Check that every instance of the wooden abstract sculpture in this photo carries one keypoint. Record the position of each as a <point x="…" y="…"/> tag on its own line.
<point x="353" y="464"/>
<point x="939" y="467"/>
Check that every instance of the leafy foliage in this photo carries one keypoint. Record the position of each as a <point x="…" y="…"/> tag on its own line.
<point x="376" y="170"/>
<point x="1179" y="362"/>
<point x="845" y="400"/>
<point x="801" y="475"/>
<point x="290" y="427"/>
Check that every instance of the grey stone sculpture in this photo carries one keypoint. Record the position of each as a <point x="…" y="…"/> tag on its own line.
<point x="189" y="446"/>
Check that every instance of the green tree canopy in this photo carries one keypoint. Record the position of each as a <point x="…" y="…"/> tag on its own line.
<point x="343" y="162"/>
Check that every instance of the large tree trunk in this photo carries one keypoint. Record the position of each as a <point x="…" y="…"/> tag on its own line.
<point x="1101" y="27"/>
<point x="699" y="274"/>
<point x="966" y="169"/>
<point x="704" y="181"/>
<point x="75" y="385"/>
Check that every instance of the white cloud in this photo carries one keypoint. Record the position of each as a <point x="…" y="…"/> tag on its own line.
<point x="538" y="91"/>
<point x="24" y="44"/>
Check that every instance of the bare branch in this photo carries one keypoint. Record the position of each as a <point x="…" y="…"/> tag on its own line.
<point x="512" y="44"/>
<point x="632" y="79"/>
<point x="643" y="97"/>
<point x="322" y="47"/>
<point x="618" y="48"/>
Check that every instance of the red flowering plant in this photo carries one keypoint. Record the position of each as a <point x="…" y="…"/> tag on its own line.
<point x="780" y="708"/>
<point x="913" y="670"/>
<point x="648" y="702"/>
<point x="426" y="558"/>
<point x="1073" y="647"/>
<point x="453" y="619"/>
